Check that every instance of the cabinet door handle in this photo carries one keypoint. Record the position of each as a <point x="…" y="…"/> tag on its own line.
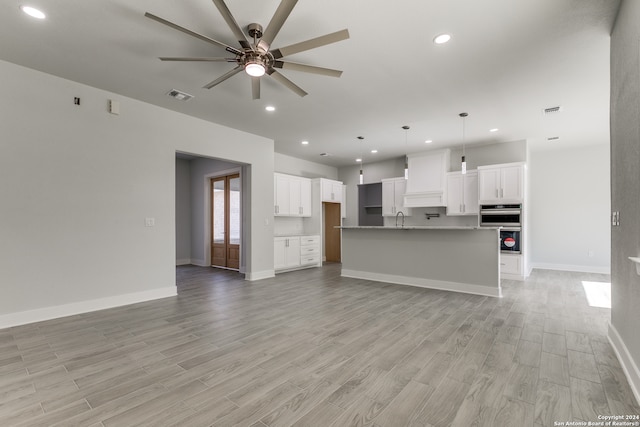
<point x="497" y="193"/>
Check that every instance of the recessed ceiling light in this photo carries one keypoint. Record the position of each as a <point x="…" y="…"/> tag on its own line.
<point x="374" y="151"/>
<point x="441" y="38"/>
<point x="358" y="160"/>
<point x="428" y="141"/>
<point x="33" y="12"/>
<point x="494" y="130"/>
<point x="305" y="143"/>
<point x="270" y="108"/>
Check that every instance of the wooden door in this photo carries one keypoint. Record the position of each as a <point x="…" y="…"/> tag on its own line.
<point x="225" y="221"/>
<point x="332" y="234"/>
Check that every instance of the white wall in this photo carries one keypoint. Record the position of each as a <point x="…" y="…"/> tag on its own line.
<point x="183" y="211"/>
<point x="76" y="184"/>
<point x="569" y="209"/>
<point x="294" y="166"/>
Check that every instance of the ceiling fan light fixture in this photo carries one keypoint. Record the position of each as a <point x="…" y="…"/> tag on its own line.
<point x="33" y="12"/>
<point x="255" y="69"/>
<point x="441" y="38"/>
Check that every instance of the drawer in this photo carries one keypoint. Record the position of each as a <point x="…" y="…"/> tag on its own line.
<point x="309" y="250"/>
<point x="309" y="259"/>
<point x="511" y="264"/>
<point x="309" y="240"/>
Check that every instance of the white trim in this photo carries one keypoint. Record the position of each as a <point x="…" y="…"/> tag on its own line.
<point x="507" y="276"/>
<point x="199" y="263"/>
<point x="54" y="312"/>
<point x="425" y="283"/>
<point x="185" y="261"/>
<point x="266" y="274"/>
<point x="568" y="267"/>
<point x="629" y="366"/>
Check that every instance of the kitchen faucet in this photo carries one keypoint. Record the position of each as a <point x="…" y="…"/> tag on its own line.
<point x="400" y="212"/>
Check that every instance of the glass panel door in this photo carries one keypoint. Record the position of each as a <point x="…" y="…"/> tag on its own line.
<point x="225" y="221"/>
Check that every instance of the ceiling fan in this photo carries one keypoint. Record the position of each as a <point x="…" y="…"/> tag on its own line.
<point x="255" y="55"/>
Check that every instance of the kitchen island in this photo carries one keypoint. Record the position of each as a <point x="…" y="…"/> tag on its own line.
<point x="460" y="259"/>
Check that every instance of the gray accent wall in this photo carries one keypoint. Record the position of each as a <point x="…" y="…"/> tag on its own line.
<point x="183" y="211"/>
<point x="625" y="178"/>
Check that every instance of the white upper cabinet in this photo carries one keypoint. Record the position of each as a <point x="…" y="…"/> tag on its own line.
<point x="331" y="190"/>
<point x="292" y="195"/>
<point x="501" y="183"/>
<point x="427" y="183"/>
<point x="462" y="193"/>
<point x="393" y="190"/>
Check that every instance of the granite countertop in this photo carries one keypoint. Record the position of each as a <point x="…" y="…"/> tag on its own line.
<point x="416" y="227"/>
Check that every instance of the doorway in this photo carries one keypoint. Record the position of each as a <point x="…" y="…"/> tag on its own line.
<point x="332" y="242"/>
<point x="225" y="221"/>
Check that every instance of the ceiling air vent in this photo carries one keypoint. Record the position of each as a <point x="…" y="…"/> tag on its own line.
<point x="180" y="96"/>
<point x="552" y="110"/>
<point x="553" y="138"/>
<point x="324" y="154"/>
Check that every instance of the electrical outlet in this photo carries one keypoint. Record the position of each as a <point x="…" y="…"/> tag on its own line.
<point x="149" y="222"/>
<point x="591" y="253"/>
<point x="615" y="218"/>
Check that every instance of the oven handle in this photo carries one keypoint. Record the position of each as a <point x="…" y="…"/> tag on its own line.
<point x="500" y="212"/>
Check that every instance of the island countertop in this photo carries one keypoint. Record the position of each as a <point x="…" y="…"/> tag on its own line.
<point x="415" y="227"/>
<point x="454" y="258"/>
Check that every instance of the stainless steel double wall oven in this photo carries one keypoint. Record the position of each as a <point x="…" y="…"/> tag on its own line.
<point x="509" y="217"/>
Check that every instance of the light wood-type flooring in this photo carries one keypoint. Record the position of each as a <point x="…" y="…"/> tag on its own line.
<point x="310" y="348"/>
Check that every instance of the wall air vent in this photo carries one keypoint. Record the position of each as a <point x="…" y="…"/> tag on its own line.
<point x="553" y="138"/>
<point x="552" y="110"/>
<point x="180" y="96"/>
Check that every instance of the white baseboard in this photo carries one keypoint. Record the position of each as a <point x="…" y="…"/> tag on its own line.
<point x="568" y="267"/>
<point x="629" y="366"/>
<point x="183" y="261"/>
<point x="425" y="283"/>
<point x="200" y="263"/>
<point x="259" y="275"/>
<point x="48" y="313"/>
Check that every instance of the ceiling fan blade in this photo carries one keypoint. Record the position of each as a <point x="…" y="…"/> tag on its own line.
<point x="233" y="25"/>
<point x="199" y="58"/>
<point x="255" y="87"/>
<point x="307" y="68"/>
<point x="282" y="13"/>
<point x="223" y="77"/>
<point x="286" y="82"/>
<point x="311" y="44"/>
<point x="192" y="33"/>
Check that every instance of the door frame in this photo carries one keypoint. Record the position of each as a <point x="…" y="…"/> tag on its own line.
<point x="208" y="211"/>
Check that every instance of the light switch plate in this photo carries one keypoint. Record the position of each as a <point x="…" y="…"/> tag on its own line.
<point x="150" y="222"/>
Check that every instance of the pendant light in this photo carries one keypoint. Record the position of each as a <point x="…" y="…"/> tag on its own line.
<point x="361" y="179"/>
<point x="463" y="160"/>
<point x="406" y="156"/>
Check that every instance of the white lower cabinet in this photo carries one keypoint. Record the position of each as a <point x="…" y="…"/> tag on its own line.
<point x="293" y="252"/>
<point x="510" y="264"/>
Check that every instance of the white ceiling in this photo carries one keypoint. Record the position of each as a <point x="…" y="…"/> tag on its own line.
<point x="507" y="61"/>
